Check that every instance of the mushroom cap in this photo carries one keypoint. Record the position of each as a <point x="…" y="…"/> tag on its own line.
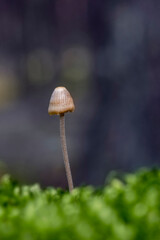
<point x="60" y="102"/>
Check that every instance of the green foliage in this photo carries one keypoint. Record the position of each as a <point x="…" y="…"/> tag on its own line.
<point x="127" y="209"/>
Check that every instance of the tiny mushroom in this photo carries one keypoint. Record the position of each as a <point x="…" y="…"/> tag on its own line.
<point x="60" y="103"/>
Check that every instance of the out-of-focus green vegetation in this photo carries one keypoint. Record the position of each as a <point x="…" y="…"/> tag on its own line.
<point x="124" y="209"/>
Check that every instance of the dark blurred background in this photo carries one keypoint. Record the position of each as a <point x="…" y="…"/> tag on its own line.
<point x="107" y="54"/>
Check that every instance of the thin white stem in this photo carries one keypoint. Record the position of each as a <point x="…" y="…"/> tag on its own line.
<point x="65" y="153"/>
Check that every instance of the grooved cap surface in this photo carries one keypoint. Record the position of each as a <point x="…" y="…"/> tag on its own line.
<point x="60" y="102"/>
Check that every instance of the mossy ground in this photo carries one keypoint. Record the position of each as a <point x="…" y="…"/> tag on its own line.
<point x="127" y="209"/>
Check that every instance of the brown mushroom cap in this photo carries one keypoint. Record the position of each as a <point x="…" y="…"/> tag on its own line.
<point x="60" y="102"/>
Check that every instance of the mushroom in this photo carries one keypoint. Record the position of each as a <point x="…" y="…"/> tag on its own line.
<point x="60" y="103"/>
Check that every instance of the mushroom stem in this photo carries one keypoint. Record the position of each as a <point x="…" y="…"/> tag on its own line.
<point x="65" y="153"/>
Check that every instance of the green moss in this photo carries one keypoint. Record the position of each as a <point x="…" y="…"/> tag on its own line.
<point x="126" y="209"/>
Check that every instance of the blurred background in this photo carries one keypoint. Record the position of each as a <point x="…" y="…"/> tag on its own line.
<point x="107" y="54"/>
